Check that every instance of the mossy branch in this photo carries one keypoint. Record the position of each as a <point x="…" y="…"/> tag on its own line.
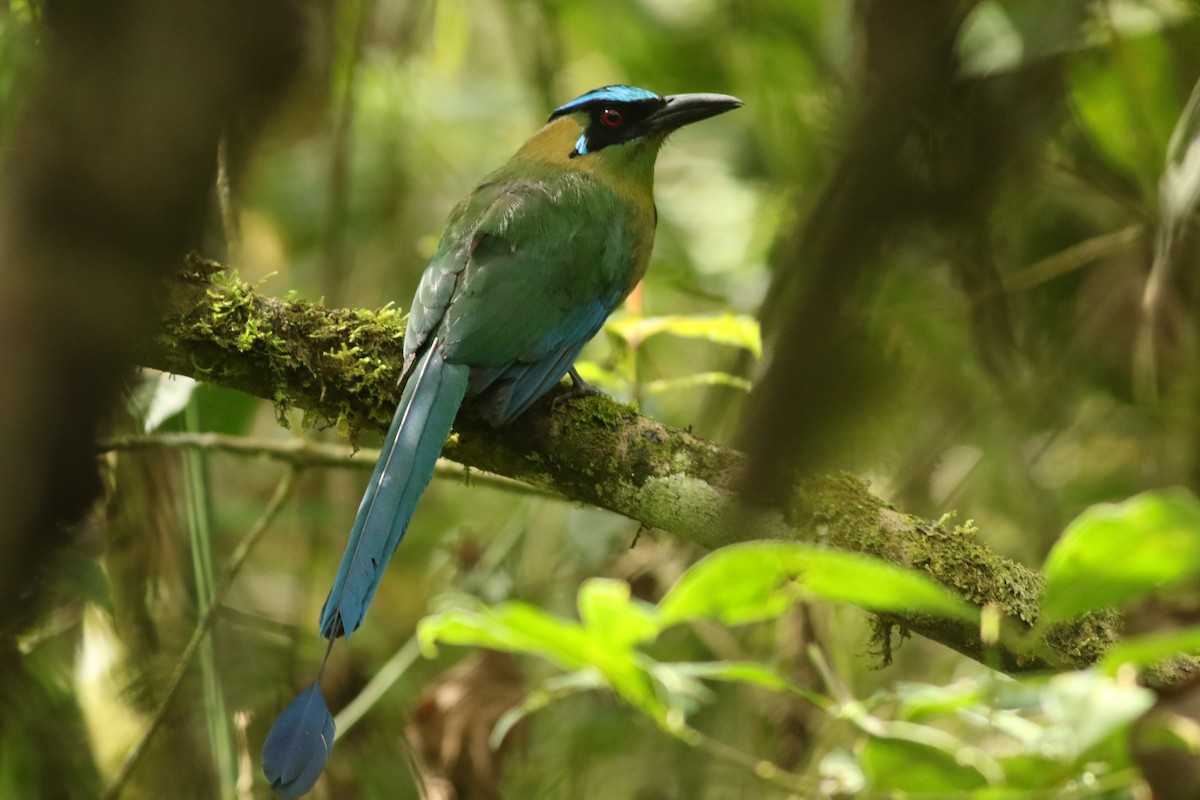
<point x="340" y="365"/>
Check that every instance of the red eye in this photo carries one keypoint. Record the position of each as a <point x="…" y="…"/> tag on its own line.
<point x="611" y="117"/>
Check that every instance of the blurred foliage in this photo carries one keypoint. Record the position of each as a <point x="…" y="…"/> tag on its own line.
<point x="341" y="194"/>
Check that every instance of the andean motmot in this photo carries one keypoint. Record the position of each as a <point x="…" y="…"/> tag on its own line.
<point x="528" y="268"/>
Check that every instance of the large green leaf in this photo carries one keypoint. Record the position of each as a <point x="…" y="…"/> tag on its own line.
<point x="1114" y="553"/>
<point x="760" y="580"/>
<point x="737" y="584"/>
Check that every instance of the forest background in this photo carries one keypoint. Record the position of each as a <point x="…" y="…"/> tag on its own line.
<point x="946" y="248"/>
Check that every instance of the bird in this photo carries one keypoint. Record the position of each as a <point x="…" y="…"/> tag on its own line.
<point x="529" y="266"/>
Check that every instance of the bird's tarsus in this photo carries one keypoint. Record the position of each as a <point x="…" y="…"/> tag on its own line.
<point x="579" y="388"/>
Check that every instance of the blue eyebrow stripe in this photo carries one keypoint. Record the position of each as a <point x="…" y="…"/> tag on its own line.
<point x="580" y="147"/>
<point x="617" y="94"/>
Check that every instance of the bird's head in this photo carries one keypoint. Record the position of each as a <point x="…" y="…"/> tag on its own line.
<point x="620" y="123"/>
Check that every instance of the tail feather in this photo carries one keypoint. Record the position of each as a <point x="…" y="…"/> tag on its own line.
<point x="427" y="408"/>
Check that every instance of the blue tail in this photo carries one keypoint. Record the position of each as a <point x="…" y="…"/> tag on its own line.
<point x="431" y="399"/>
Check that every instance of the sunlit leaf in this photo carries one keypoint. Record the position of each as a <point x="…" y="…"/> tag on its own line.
<point x="697" y="379"/>
<point x="1129" y="107"/>
<point x="760" y="580"/>
<point x="517" y="627"/>
<point x="730" y="329"/>
<point x="608" y="613"/>
<point x="1114" y="553"/>
<point x="513" y="627"/>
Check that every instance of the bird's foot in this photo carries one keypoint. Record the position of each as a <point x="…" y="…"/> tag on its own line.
<point x="579" y="388"/>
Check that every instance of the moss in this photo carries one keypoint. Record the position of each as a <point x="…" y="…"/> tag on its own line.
<point x="362" y="371"/>
<point x="297" y="353"/>
<point x="648" y="455"/>
<point x="602" y="410"/>
<point x="339" y="365"/>
<point x="838" y="507"/>
<point x="840" y="511"/>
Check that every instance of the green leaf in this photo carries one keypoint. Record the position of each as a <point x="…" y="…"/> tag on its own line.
<point x="1143" y="651"/>
<point x="731" y="329"/>
<point x="697" y="379"/>
<point x="610" y="615"/>
<point x="1112" y="554"/>
<point x="1129" y="106"/>
<point x="919" y="701"/>
<point x="879" y="586"/>
<point x="760" y="580"/>
<point x="522" y="628"/>
<point x="908" y="766"/>
<point x="735" y="585"/>
<point x="512" y="627"/>
<point x="1084" y="708"/>
<point x="1037" y="771"/>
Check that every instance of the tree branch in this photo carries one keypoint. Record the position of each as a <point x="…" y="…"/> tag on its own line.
<point x="340" y="365"/>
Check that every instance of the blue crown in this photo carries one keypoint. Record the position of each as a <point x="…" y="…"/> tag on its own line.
<point x="611" y="94"/>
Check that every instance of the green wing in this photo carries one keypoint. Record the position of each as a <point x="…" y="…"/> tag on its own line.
<point x="525" y="275"/>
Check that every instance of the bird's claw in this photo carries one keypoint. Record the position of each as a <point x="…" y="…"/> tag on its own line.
<point x="579" y="388"/>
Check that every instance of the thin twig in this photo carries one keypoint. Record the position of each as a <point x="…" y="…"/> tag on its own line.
<point x="387" y="675"/>
<point x="233" y="566"/>
<point x="304" y="453"/>
<point x="225" y="201"/>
